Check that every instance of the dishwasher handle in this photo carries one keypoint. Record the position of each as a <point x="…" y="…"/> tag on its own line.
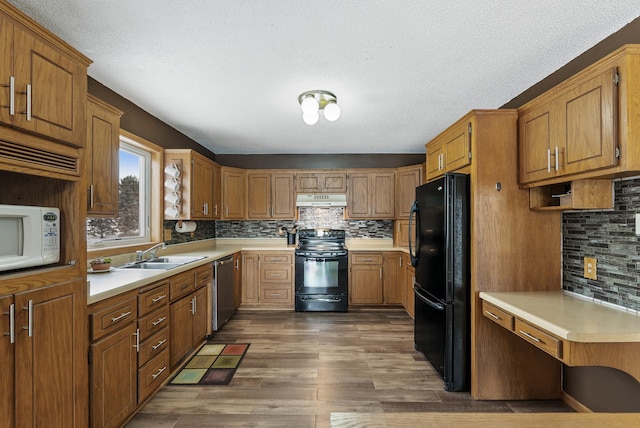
<point x="224" y="261"/>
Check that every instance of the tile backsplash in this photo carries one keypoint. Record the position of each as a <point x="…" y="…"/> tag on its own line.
<point x="308" y="218"/>
<point x="609" y="236"/>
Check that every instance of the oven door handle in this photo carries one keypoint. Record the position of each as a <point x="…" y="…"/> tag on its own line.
<point x="321" y="299"/>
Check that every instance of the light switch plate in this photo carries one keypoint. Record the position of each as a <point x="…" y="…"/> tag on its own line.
<point x="590" y="268"/>
<point x="637" y="223"/>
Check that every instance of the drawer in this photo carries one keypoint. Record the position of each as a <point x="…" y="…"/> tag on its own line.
<point x="181" y="285"/>
<point x="366" y="258"/>
<point x="275" y="294"/>
<point x="285" y="258"/>
<point x="497" y="315"/>
<point x="152" y="375"/>
<point x="153" y="346"/>
<point x="276" y="274"/>
<point x="153" y="322"/>
<point x="204" y="276"/>
<point x="539" y="338"/>
<point x="112" y="318"/>
<point x="153" y="299"/>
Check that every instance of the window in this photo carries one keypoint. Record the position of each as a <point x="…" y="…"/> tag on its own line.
<point x="132" y="226"/>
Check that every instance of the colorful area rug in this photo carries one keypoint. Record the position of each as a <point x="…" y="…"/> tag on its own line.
<point x="213" y="364"/>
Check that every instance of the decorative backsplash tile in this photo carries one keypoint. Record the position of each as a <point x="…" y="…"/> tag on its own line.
<point x="610" y="237"/>
<point x="308" y="218"/>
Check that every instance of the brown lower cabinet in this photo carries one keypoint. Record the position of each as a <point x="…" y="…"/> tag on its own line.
<point x="374" y="278"/>
<point x="40" y="384"/>
<point x="129" y="352"/>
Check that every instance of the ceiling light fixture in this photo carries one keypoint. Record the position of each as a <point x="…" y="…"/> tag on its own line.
<point x="311" y="102"/>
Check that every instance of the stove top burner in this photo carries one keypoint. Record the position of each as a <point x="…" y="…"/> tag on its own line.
<point x="321" y="243"/>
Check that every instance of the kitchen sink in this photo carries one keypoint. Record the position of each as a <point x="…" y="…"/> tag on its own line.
<point x="175" y="259"/>
<point x="163" y="263"/>
<point x="151" y="265"/>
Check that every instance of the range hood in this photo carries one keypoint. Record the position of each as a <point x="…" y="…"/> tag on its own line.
<point x="321" y="200"/>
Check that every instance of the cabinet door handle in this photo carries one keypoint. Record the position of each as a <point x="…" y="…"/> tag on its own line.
<point x="29" y="326"/>
<point x="205" y="208"/>
<point x="29" y="103"/>
<point x="160" y="320"/>
<point x="548" y="160"/>
<point x="159" y="372"/>
<point x="157" y="299"/>
<point x="492" y="315"/>
<point x="137" y="335"/>
<point x="535" y="339"/>
<point x="159" y="344"/>
<point x="193" y="305"/>
<point x="12" y="95"/>
<point x="91" y="196"/>
<point x="557" y="164"/>
<point x="12" y="323"/>
<point x="121" y="316"/>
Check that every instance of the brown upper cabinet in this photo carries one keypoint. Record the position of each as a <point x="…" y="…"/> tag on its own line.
<point x="584" y="127"/>
<point x="270" y="195"/>
<point x="449" y="151"/>
<point x="197" y="180"/>
<point x="321" y="182"/>
<point x="371" y="195"/>
<point x="407" y="179"/>
<point x="102" y="158"/>
<point x="45" y="80"/>
<point x="233" y="193"/>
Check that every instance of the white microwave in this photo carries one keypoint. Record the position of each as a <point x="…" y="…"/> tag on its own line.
<point x="29" y="236"/>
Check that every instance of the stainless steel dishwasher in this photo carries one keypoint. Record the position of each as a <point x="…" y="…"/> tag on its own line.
<point x="223" y="293"/>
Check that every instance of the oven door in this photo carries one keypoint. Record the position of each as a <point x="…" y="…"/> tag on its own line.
<point x="321" y="275"/>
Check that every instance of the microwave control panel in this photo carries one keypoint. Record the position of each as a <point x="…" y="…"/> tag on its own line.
<point x="50" y="235"/>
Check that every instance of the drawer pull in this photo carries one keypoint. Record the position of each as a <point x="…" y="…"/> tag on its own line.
<point x="492" y="315"/>
<point x="185" y="286"/>
<point x="159" y="372"/>
<point x="530" y="336"/>
<point x="159" y="321"/>
<point x="157" y="299"/>
<point x="275" y="294"/>
<point x="121" y="316"/>
<point x="159" y="344"/>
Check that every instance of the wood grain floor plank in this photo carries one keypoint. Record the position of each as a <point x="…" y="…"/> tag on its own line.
<point x="302" y="368"/>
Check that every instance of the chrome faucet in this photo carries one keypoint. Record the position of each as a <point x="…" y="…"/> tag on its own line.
<point x="152" y="251"/>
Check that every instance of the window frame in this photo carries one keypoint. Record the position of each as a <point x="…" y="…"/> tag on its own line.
<point x="155" y="217"/>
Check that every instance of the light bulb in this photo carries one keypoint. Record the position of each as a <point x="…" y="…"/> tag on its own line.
<point x="309" y="104"/>
<point x="332" y="111"/>
<point x="311" y="117"/>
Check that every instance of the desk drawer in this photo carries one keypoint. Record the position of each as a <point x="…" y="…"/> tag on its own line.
<point x="539" y="338"/>
<point x="497" y="315"/>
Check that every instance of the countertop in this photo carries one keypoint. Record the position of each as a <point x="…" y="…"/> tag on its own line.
<point x="117" y="281"/>
<point x="568" y="316"/>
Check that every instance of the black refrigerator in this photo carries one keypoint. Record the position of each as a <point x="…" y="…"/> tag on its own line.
<point x="440" y="255"/>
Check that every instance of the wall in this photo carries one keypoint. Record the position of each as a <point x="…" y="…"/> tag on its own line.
<point x="308" y="218"/>
<point x="609" y="236"/>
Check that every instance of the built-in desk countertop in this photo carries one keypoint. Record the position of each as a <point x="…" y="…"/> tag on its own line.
<point x="575" y="330"/>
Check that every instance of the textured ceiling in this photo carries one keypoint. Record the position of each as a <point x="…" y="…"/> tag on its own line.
<point x="227" y="73"/>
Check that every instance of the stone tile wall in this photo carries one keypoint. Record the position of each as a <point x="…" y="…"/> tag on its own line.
<point x="610" y="237"/>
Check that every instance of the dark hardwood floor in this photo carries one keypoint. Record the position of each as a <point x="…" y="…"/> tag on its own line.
<point x="301" y="367"/>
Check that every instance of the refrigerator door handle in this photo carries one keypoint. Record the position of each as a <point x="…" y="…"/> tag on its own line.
<point x="435" y="305"/>
<point x="414" y="257"/>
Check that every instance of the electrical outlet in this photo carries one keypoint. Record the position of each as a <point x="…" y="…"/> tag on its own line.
<point x="590" y="268"/>
<point x="167" y="235"/>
